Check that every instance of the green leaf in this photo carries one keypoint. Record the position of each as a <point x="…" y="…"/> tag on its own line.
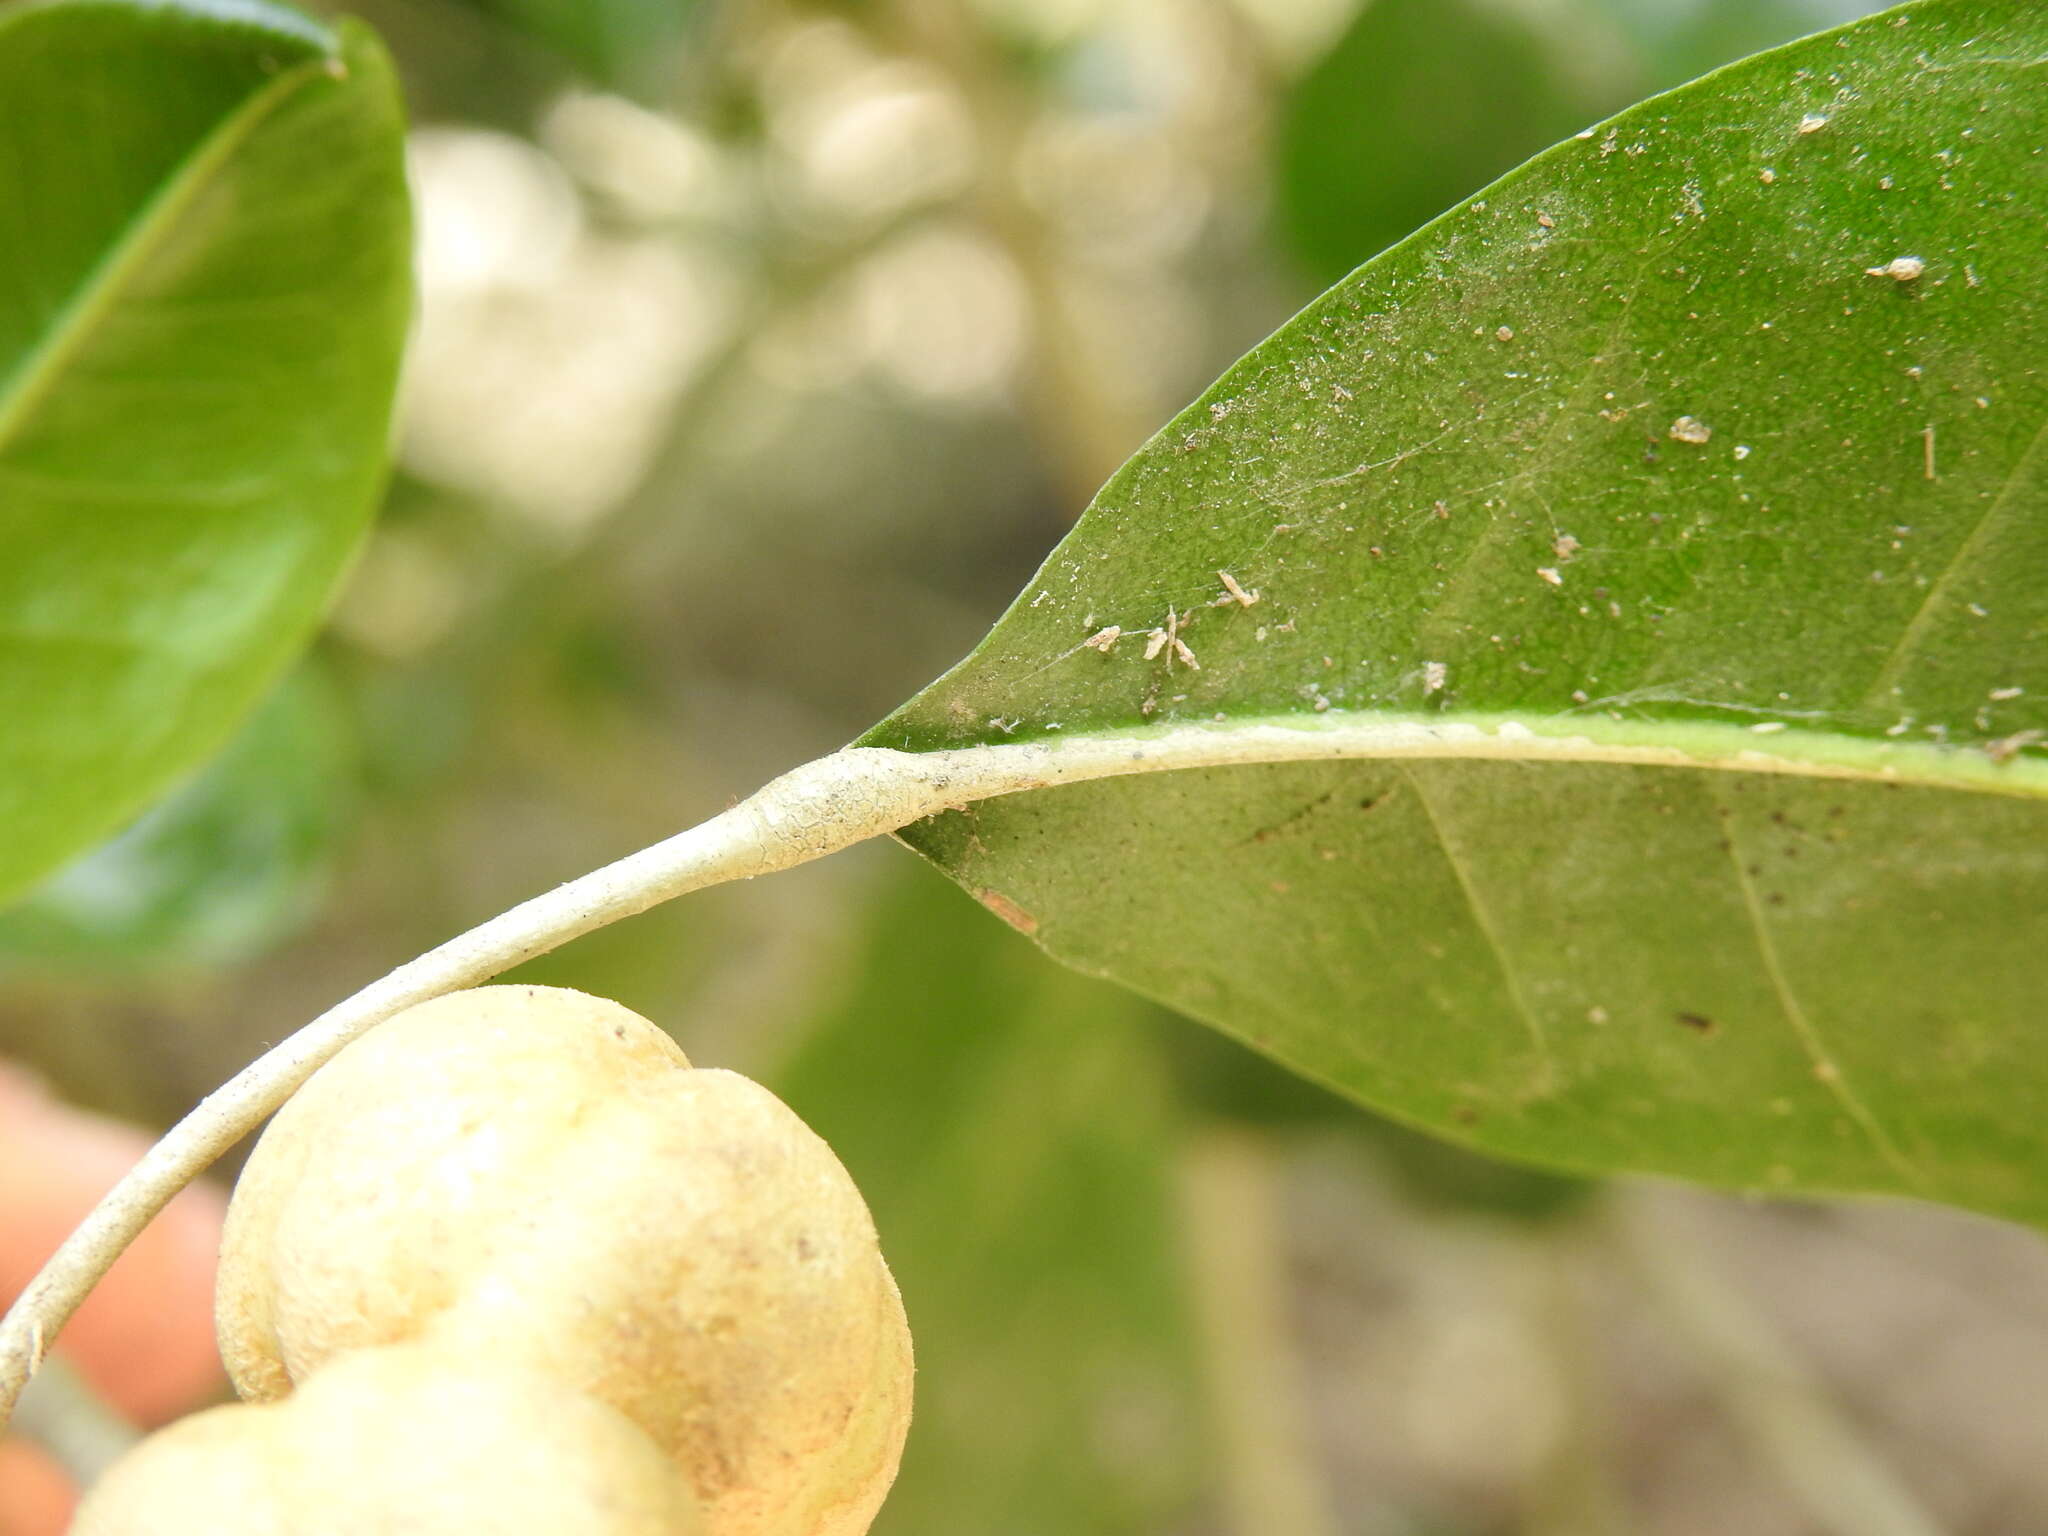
<point x="623" y="45"/>
<point x="1418" y="104"/>
<point x="203" y="296"/>
<point x="1020" y="1163"/>
<point x="1680" y="42"/>
<point x="1422" y="102"/>
<point x="1678" y="587"/>
<point x="1236" y="1087"/>
<point x="233" y="862"/>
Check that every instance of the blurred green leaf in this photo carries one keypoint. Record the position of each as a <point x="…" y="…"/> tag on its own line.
<point x="1419" y="103"/>
<point x="1679" y="42"/>
<point x="1008" y="1124"/>
<point x="1633" y="454"/>
<point x="1422" y="102"/>
<point x="228" y="865"/>
<point x="203" y="296"/>
<point x="630" y="46"/>
<point x="1220" y="1078"/>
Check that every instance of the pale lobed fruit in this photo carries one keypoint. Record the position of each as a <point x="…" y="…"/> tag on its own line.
<point x="405" y="1441"/>
<point x="532" y="1175"/>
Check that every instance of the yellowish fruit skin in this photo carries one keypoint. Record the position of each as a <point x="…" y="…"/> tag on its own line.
<point x="399" y="1442"/>
<point x="528" y="1174"/>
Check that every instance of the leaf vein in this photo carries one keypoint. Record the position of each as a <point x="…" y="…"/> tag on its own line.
<point x="1938" y="594"/>
<point x="1826" y="1070"/>
<point x="1482" y="919"/>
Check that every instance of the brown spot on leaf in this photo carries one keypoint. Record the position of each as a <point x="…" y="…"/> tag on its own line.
<point x="1008" y="911"/>
<point x="1697" y="1021"/>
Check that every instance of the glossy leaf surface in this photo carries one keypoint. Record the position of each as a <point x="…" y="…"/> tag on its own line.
<point x="1718" y="431"/>
<point x="204" y="291"/>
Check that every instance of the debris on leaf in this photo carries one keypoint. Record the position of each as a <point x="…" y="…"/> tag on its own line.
<point x="1235" y="593"/>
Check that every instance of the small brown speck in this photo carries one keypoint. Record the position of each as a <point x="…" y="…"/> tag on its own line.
<point x="1697" y="1022"/>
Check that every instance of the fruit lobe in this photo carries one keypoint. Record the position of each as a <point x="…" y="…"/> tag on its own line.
<point x="404" y="1441"/>
<point x="529" y="1175"/>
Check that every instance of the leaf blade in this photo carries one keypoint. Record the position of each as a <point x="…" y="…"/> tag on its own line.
<point x="1634" y="445"/>
<point x="197" y="359"/>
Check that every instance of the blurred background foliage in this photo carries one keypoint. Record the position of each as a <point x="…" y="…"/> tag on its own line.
<point x="765" y="347"/>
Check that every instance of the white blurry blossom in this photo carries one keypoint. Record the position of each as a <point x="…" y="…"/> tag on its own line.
<point x="548" y="354"/>
<point x="649" y="167"/>
<point x="859" y="138"/>
<point x="941" y="314"/>
<point x="938" y="313"/>
<point x="490" y="210"/>
<point x="1296" y="32"/>
<point x="1047" y="23"/>
<point x="1115" y="184"/>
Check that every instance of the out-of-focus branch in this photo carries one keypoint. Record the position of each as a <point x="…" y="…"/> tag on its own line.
<point x="1271" y="1483"/>
<point x="61" y="1413"/>
<point x="1787" y="1416"/>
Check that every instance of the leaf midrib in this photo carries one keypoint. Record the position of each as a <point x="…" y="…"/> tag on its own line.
<point x="1246" y="741"/>
<point x="104" y="284"/>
